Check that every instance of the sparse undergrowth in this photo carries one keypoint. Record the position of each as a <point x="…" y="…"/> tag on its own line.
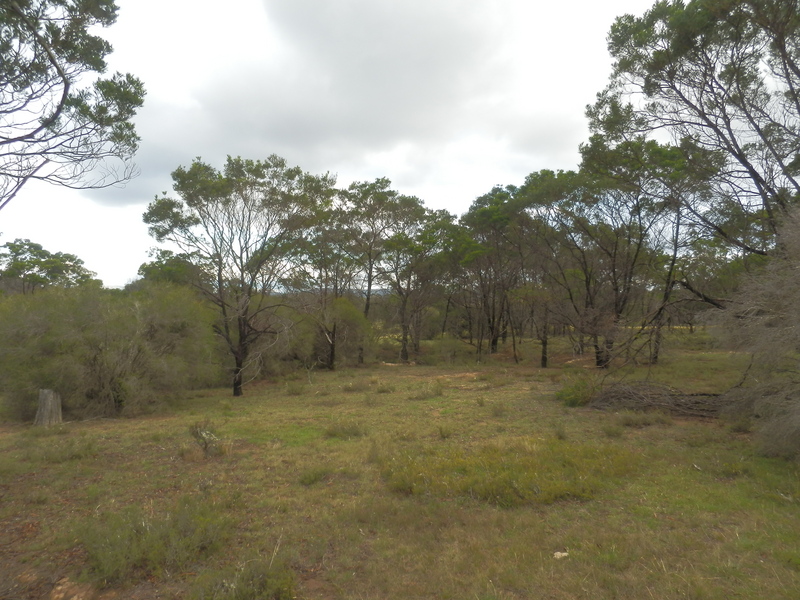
<point x="437" y="483"/>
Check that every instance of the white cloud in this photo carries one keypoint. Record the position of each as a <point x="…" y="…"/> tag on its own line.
<point x="444" y="97"/>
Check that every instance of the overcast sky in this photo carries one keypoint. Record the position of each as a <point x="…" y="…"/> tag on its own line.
<point x="446" y="98"/>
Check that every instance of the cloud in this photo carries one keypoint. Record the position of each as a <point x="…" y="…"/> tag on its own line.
<point x="368" y="88"/>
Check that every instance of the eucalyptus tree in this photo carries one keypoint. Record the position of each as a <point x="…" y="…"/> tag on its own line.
<point x="411" y="265"/>
<point x="598" y="236"/>
<point x="241" y="228"/>
<point x="492" y="260"/>
<point x="26" y="266"/>
<point x="324" y="282"/>
<point x="368" y="209"/>
<point x="722" y="76"/>
<point x="59" y="122"/>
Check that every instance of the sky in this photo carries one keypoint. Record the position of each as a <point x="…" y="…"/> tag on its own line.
<point x="446" y="98"/>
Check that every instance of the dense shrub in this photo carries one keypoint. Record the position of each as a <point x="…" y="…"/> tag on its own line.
<point x="106" y="352"/>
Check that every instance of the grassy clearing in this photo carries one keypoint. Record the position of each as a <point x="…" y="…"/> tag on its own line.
<point x="403" y="482"/>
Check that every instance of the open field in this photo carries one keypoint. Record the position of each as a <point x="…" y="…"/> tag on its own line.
<point x="463" y="482"/>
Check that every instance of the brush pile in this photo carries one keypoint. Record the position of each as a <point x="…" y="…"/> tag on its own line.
<point x="649" y="396"/>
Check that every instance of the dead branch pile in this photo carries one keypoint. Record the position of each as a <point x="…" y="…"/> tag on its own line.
<point x="648" y="396"/>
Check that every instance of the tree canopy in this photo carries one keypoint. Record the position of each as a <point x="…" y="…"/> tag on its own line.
<point x="54" y="126"/>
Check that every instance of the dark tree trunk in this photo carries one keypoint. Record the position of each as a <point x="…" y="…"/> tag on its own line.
<point x="49" y="411"/>
<point x="238" y="376"/>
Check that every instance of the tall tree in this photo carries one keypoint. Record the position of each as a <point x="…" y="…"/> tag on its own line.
<point x="723" y="76"/>
<point x="325" y="276"/>
<point x="368" y="209"/>
<point x="409" y="266"/>
<point x="241" y="228"/>
<point x="492" y="260"/>
<point x="54" y="126"/>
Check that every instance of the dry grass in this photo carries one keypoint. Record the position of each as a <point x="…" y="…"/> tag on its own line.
<point x="684" y="510"/>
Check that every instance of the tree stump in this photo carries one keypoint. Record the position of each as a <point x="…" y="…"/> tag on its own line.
<point x="49" y="411"/>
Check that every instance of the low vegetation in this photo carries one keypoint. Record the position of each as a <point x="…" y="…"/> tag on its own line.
<point x="417" y="485"/>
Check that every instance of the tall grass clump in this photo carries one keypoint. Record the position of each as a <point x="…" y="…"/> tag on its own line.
<point x="256" y="579"/>
<point x="135" y="543"/>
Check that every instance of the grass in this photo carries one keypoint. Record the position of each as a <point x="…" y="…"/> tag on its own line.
<point x="443" y="485"/>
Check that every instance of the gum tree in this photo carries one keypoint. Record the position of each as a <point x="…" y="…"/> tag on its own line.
<point x="241" y="228"/>
<point x="54" y="126"/>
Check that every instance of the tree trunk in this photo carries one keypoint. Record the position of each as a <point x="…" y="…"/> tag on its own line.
<point x="238" y="376"/>
<point x="49" y="411"/>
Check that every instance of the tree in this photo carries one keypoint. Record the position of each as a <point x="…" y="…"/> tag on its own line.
<point x="53" y="126"/>
<point x="722" y="76"/>
<point x="492" y="260"/>
<point x="26" y="267"/>
<point x="241" y="228"/>
<point x="409" y="266"/>
<point x="325" y="276"/>
<point x="368" y="208"/>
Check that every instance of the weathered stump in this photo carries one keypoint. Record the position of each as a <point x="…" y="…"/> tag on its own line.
<point x="49" y="411"/>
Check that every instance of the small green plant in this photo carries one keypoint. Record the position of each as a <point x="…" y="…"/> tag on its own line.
<point x="205" y="435"/>
<point x="295" y="388"/>
<point x="314" y="475"/>
<point x="742" y="425"/>
<point x="256" y="579"/>
<point x="612" y="430"/>
<point x="636" y="420"/>
<point x="576" y="392"/>
<point x="560" y="432"/>
<point x="499" y="409"/>
<point x="445" y="432"/>
<point x="431" y="389"/>
<point x="358" y="385"/>
<point x="384" y="388"/>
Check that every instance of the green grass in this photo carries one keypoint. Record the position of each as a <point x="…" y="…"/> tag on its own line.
<point x="402" y="482"/>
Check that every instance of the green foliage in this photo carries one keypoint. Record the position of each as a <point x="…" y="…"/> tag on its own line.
<point x="577" y="391"/>
<point x="59" y="121"/>
<point x="314" y="475"/>
<point x="638" y="420"/>
<point x="428" y="390"/>
<point x="509" y="476"/>
<point x="26" y="267"/>
<point x="105" y="352"/>
<point x="134" y="542"/>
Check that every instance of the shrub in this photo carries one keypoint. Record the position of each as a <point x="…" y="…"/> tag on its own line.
<point x="577" y="391"/>
<point x="256" y="579"/>
<point x="205" y="434"/>
<point x="123" y="544"/>
<point x="105" y="352"/>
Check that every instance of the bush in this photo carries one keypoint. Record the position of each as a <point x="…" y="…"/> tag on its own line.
<point x="256" y="579"/>
<point x="105" y="352"/>
<point x="121" y="545"/>
<point x="577" y="391"/>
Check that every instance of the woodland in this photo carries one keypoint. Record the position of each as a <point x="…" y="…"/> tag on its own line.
<point x="677" y="231"/>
